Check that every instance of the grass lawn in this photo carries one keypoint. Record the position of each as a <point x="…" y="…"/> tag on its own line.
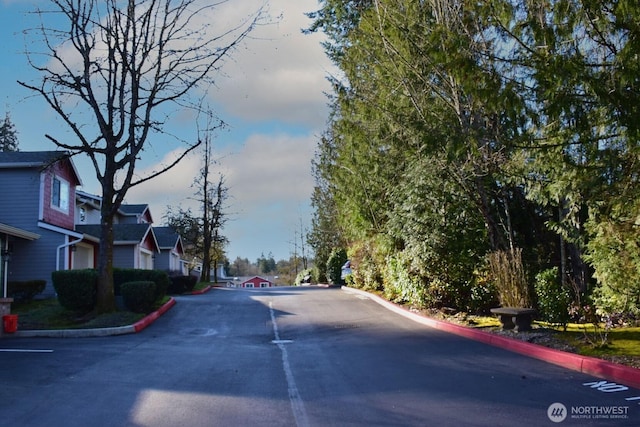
<point x="623" y="341"/>
<point x="49" y="314"/>
<point x="622" y="344"/>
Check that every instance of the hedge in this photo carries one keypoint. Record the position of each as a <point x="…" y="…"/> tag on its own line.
<point x="181" y="284"/>
<point x="25" y="290"/>
<point x="124" y="275"/>
<point x="139" y="296"/>
<point x="76" y="289"/>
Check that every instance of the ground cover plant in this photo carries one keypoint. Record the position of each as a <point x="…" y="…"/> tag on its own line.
<point x="49" y="314"/>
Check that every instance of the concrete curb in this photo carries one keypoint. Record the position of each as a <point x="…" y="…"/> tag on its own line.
<point x="202" y="291"/>
<point x="585" y="364"/>
<point x="99" y="332"/>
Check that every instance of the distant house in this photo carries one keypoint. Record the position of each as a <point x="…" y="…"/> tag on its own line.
<point x="134" y="245"/>
<point x="37" y="227"/>
<point x="134" y="214"/>
<point x="171" y="250"/>
<point x="256" y="282"/>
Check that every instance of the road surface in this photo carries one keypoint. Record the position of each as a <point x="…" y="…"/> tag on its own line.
<point x="293" y="357"/>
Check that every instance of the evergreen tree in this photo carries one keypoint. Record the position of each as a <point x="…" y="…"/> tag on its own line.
<point x="8" y="135"/>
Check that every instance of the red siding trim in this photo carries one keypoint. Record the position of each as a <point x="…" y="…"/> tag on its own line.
<point x="51" y="215"/>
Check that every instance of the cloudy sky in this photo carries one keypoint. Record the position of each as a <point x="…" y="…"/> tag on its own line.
<point x="271" y="95"/>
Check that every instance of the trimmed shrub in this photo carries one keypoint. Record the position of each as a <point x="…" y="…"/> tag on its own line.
<point x="181" y="284"/>
<point x="139" y="296"/>
<point x="554" y="300"/>
<point x="159" y="277"/>
<point x="76" y="289"/>
<point x="25" y="290"/>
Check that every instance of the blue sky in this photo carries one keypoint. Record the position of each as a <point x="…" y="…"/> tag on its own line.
<point x="272" y="97"/>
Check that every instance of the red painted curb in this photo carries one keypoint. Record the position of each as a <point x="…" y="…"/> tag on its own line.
<point x="146" y="321"/>
<point x="588" y="365"/>
<point x="201" y="291"/>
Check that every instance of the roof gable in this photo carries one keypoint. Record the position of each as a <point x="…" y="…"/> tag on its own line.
<point x="137" y="210"/>
<point x="123" y="234"/>
<point x="168" y="238"/>
<point x="37" y="159"/>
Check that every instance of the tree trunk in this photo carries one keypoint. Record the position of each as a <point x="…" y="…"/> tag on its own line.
<point x="106" y="298"/>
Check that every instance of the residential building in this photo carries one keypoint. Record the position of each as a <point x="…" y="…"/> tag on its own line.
<point x="256" y="282"/>
<point x="48" y="224"/>
<point x="171" y="251"/>
<point x="37" y="229"/>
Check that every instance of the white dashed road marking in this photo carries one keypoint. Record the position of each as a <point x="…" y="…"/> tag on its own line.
<point x="297" y="404"/>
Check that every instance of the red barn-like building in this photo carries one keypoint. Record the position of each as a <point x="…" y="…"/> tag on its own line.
<point x="256" y="282"/>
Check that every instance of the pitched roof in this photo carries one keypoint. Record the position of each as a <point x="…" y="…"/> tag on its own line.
<point x="133" y="209"/>
<point x="122" y="233"/>
<point x="250" y="279"/>
<point x="30" y="158"/>
<point x="35" y="159"/>
<point x="167" y="237"/>
<point x="136" y="210"/>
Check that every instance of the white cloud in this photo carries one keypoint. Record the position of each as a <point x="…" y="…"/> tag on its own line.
<point x="281" y="75"/>
<point x="276" y="73"/>
<point x="269" y="181"/>
<point x="271" y="168"/>
<point x="275" y="80"/>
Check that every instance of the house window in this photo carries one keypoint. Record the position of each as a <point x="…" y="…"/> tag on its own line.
<point x="83" y="214"/>
<point x="60" y="194"/>
<point x="264" y="284"/>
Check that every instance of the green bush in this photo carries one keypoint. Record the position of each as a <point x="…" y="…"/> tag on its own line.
<point x="181" y="284"/>
<point x="139" y="296"/>
<point x="401" y="286"/>
<point x="334" y="266"/>
<point x="76" y="289"/>
<point x="124" y="275"/>
<point x="483" y="297"/>
<point x="554" y="299"/>
<point x="25" y="290"/>
<point x="614" y="254"/>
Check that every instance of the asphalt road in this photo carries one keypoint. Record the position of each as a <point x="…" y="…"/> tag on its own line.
<point x="293" y="357"/>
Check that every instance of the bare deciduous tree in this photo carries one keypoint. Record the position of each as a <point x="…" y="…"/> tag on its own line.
<point x="202" y="230"/>
<point x="114" y="76"/>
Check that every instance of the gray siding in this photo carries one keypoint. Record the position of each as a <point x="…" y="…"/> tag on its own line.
<point x="20" y="198"/>
<point x="123" y="256"/>
<point x="37" y="259"/>
<point x="162" y="260"/>
<point x="20" y="201"/>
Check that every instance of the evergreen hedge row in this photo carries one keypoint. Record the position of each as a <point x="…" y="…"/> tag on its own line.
<point x="76" y="289"/>
<point x="25" y="290"/>
<point x="139" y="296"/>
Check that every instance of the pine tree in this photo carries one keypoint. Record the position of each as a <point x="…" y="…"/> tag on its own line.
<point x="8" y="135"/>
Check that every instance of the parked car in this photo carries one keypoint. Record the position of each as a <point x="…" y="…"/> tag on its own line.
<point x="346" y="270"/>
